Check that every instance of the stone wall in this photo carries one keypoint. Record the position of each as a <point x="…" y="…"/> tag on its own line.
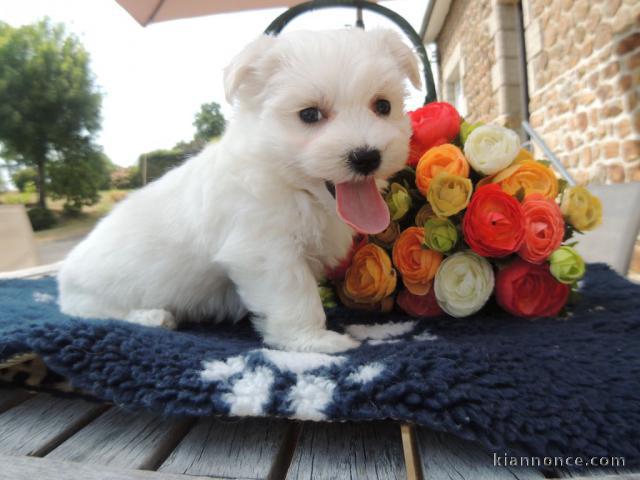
<point x="584" y="79"/>
<point x="476" y="52"/>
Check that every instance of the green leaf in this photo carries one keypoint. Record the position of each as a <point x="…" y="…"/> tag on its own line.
<point x="465" y="130"/>
<point x="569" y="231"/>
<point x="562" y="185"/>
<point x="520" y="194"/>
<point x="575" y="296"/>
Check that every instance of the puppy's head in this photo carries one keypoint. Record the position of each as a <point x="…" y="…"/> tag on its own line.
<point x="329" y="107"/>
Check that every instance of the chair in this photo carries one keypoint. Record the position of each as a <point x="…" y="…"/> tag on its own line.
<point x="17" y="244"/>
<point x="613" y="241"/>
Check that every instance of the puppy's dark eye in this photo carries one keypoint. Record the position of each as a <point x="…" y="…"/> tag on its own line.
<point x="310" y="115"/>
<point x="382" y="107"/>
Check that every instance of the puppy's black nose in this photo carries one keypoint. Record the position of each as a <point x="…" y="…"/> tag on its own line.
<point x="364" y="160"/>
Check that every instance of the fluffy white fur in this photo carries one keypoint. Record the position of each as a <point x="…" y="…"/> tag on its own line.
<point x="248" y="225"/>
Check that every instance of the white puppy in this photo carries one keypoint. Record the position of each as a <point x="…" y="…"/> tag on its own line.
<point x="249" y="224"/>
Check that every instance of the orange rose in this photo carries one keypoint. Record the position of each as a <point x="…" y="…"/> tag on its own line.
<point x="384" y="305"/>
<point x="543" y="228"/>
<point x="417" y="265"/>
<point x="528" y="175"/>
<point x="444" y="158"/>
<point x="371" y="277"/>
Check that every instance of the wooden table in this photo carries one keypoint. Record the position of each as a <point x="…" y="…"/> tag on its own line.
<point x="52" y="437"/>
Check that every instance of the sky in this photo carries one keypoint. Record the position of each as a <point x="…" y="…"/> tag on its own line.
<point x="154" y="79"/>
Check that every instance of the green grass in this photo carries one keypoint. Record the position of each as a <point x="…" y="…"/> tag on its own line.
<point x="67" y="226"/>
<point x="17" y="198"/>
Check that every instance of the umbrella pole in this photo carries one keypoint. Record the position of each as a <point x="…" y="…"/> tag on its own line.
<point x="359" y="20"/>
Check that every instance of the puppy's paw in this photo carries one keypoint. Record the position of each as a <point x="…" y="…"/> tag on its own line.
<point x="153" y="318"/>
<point x="321" y="341"/>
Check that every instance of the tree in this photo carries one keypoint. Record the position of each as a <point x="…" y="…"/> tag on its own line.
<point x="108" y="168"/>
<point x="21" y="178"/>
<point x="79" y="177"/>
<point x="125" y="178"/>
<point x="209" y="122"/>
<point x="157" y="163"/>
<point x="49" y="103"/>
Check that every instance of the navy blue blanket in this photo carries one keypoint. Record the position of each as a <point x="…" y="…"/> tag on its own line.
<point x="552" y="387"/>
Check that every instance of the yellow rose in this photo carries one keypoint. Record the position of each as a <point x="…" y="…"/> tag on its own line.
<point x="449" y="194"/>
<point x="371" y="277"/>
<point x="443" y="158"/>
<point x="581" y="209"/>
<point x="527" y="176"/>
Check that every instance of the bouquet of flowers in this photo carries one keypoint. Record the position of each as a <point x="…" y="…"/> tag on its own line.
<point x="472" y="215"/>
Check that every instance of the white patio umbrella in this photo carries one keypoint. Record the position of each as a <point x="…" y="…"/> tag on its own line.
<point x="152" y="11"/>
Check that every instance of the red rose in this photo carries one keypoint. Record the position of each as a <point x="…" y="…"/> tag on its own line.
<point x="434" y="124"/>
<point x="416" y="151"/>
<point x="420" y="306"/>
<point x="528" y="290"/>
<point x="340" y="270"/>
<point x="493" y="224"/>
<point x="543" y="228"/>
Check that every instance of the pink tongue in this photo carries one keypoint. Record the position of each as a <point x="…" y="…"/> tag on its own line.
<point x="360" y="205"/>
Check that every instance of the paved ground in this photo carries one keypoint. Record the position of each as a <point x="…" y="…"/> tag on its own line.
<point x="51" y="251"/>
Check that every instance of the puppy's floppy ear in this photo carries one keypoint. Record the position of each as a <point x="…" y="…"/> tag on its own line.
<point x="247" y="68"/>
<point x="404" y="56"/>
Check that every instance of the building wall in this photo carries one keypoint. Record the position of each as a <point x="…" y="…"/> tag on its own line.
<point x="468" y="44"/>
<point x="584" y="81"/>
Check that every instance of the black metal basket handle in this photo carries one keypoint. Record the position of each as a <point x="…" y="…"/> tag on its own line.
<point x="279" y="23"/>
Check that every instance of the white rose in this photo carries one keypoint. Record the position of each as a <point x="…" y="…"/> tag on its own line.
<point x="463" y="284"/>
<point x="490" y="148"/>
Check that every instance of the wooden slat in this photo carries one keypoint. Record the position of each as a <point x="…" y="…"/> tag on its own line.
<point x="30" y="468"/>
<point x="33" y="272"/>
<point x="411" y="455"/>
<point x="445" y="457"/>
<point x="39" y="424"/>
<point x="371" y="450"/>
<point x="10" y="397"/>
<point x="623" y="476"/>
<point x="124" y="440"/>
<point x="595" y="473"/>
<point x="244" y="448"/>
